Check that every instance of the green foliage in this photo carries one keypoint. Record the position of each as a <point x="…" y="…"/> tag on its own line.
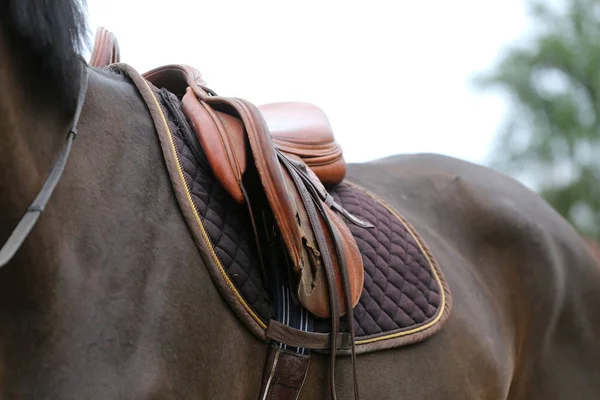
<point x="551" y="137"/>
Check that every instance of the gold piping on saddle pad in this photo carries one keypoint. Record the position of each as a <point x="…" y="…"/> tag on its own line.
<point x="240" y="149"/>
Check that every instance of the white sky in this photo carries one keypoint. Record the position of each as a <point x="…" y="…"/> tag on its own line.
<point x="393" y="76"/>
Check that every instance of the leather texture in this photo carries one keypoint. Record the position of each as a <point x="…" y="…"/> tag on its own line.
<point x="106" y="49"/>
<point x="175" y="77"/>
<point x="224" y="140"/>
<point x="284" y="374"/>
<point x="313" y="293"/>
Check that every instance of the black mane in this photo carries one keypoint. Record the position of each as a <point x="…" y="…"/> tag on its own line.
<point x="46" y="38"/>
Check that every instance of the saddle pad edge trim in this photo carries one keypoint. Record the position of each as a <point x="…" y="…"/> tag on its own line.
<point x="443" y="312"/>
<point x="199" y="221"/>
<point x="246" y="307"/>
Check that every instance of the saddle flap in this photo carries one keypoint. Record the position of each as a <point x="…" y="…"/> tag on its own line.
<point x="276" y="189"/>
<point x="224" y="141"/>
<point x="225" y="128"/>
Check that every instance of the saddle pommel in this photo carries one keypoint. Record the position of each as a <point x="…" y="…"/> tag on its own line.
<point x="106" y="49"/>
<point x="176" y="78"/>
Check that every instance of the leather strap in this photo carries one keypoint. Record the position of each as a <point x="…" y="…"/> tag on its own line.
<point x="309" y="340"/>
<point x="26" y="224"/>
<point x="284" y="374"/>
<point x="312" y="202"/>
<point x="325" y="197"/>
<point x="311" y="207"/>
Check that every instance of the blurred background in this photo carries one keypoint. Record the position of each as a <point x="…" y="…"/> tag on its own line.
<point x="514" y="85"/>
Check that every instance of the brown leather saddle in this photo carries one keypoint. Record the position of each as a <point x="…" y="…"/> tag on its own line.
<point x="277" y="159"/>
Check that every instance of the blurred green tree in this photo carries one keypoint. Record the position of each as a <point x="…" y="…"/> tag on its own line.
<point x="551" y="137"/>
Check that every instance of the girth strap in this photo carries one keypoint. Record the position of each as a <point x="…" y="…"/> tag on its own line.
<point x="308" y="340"/>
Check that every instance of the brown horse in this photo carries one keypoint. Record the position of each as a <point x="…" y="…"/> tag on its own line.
<point x="109" y="297"/>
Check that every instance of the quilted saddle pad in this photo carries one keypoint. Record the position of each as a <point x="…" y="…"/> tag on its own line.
<point x="405" y="298"/>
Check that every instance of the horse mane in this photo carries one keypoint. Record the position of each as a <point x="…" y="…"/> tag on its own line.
<point x="46" y="39"/>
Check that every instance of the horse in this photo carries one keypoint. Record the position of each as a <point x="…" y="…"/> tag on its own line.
<point x="109" y="295"/>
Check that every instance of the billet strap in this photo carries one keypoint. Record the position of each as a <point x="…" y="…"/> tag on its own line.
<point x="313" y="215"/>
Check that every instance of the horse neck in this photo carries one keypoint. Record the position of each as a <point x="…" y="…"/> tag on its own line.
<point x="78" y="256"/>
<point x="109" y="280"/>
<point x="32" y="132"/>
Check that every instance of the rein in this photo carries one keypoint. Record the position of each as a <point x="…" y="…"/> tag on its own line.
<point x="28" y="221"/>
